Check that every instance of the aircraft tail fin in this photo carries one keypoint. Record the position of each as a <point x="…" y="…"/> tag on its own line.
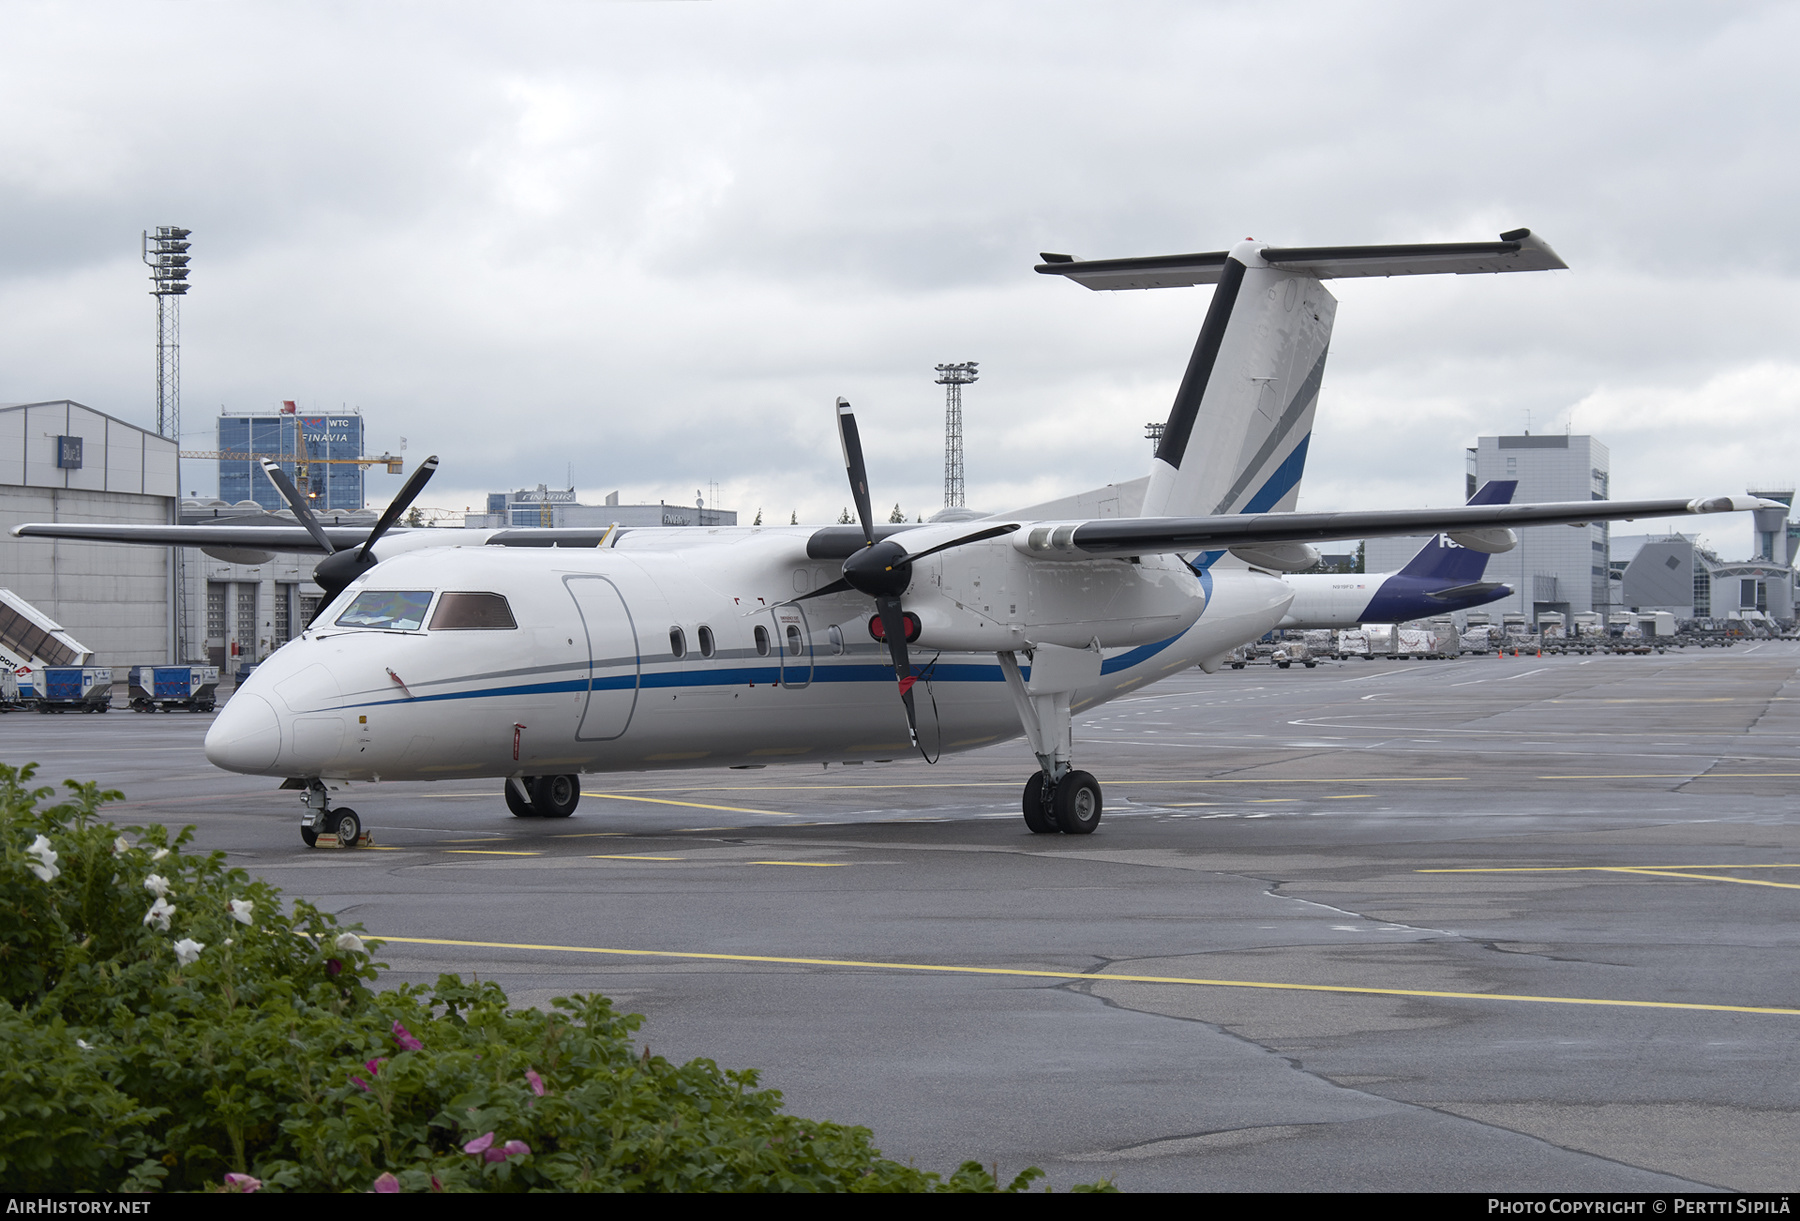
<point x="1236" y="437"/>
<point x="1441" y="560"/>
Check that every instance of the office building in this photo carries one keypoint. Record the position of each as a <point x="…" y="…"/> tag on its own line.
<point x="288" y="436"/>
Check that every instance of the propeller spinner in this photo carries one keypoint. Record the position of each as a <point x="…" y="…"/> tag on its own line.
<point x="338" y="569"/>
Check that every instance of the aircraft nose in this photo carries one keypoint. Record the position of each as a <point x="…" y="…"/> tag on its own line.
<point x="245" y="736"/>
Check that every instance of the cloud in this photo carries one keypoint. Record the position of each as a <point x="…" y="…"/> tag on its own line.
<point x="649" y="244"/>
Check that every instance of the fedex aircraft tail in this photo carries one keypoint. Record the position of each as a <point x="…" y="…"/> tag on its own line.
<point x="1236" y="437"/>
<point x="1441" y="560"/>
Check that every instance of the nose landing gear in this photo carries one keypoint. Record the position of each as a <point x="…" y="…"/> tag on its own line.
<point x="320" y="819"/>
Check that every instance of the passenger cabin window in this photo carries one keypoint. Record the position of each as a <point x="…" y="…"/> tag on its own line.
<point x="387" y="609"/>
<point x="835" y="635"/>
<point x="677" y="642"/>
<point x="706" y="641"/>
<point x="762" y="641"/>
<point x="793" y="640"/>
<point x="464" y="612"/>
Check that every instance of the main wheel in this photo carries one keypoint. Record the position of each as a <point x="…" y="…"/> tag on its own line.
<point x="520" y="806"/>
<point x="309" y="836"/>
<point x="556" y="796"/>
<point x="1037" y="815"/>
<point x="1076" y="804"/>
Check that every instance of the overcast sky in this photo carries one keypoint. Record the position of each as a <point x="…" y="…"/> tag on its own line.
<point x="648" y="243"/>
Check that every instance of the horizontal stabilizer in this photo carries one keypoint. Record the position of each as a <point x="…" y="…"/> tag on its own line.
<point x="1517" y="250"/>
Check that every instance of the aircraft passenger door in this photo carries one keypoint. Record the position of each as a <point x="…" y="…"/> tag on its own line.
<point x="613" y="660"/>
<point x="794" y="644"/>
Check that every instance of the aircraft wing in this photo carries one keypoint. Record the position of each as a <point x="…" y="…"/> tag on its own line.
<point x="256" y="538"/>
<point x="1151" y="535"/>
<point x="1517" y="250"/>
<point x="295" y="538"/>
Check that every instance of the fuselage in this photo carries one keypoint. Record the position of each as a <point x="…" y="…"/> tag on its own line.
<point x="684" y="655"/>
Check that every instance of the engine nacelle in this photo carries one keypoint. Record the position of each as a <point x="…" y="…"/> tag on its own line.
<point x="1492" y="541"/>
<point x="1279" y="557"/>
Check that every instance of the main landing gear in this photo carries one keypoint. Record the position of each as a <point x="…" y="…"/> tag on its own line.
<point x="1057" y="798"/>
<point x="321" y="819"/>
<point x="543" y="796"/>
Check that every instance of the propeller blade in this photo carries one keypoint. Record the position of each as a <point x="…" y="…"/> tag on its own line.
<point x="408" y="492"/>
<point x="851" y="440"/>
<point x="335" y="572"/>
<point x="893" y="627"/>
<point x="302" y="511"/>
<point x="836" y="587"/>
<point x="965" y="540"/>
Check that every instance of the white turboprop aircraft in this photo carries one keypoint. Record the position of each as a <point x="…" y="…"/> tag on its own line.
<point x="534" y="656"/>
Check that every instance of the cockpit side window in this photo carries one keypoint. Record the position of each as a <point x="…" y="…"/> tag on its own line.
<point x="391" y="610"/>
<point x="464" y="612"/>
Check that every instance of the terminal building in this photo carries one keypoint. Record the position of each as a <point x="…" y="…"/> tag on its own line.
<point x="556" y="507"/>
<point x="1554" y="568"/>
<point x="62" y="461"/>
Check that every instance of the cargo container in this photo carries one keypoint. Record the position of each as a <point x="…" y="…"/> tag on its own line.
<point x="169" y="687"/>
<point x="60" y="688"/>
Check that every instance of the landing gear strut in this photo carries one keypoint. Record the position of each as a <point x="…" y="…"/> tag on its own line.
<point x="1057" y="798"/>
<point x="543" y="796"/>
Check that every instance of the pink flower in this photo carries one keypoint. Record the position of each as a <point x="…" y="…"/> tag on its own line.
<point x="374" y="1066"/>
<point x="405" y="1039"/>
<point x="484" y="1145"/>
<point x="387" y="1185"/>
<point x="242" y="1183"/>
<point x="333" y="966"/>
<point x="359" y="1083"/>
<point x="537" y="1082"/>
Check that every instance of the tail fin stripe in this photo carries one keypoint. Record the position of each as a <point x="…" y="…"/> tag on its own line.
<point x="1173" y="446"/>
<point x="1303" y="398"/>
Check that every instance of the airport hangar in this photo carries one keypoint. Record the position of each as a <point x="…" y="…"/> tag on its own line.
<point x="62" y="461"/>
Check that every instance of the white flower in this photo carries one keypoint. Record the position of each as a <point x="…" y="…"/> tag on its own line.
<point x="350" y="942"/>
<point x="84" y="1045"/>
<point x="157" y="885"/>
<point x="46" y="867"/>
<point x="187" y="950"/>
<point x="240" y="910"/>
<point x="159" y="854"/>
<point x="228" y="943"/>
<point x="158" y="915"/>
<point x="121" y="846"/>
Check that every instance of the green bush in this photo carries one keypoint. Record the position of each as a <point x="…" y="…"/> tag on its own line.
<point x="172" y="1024"/>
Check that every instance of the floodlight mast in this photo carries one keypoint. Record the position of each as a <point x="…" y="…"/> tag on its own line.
<point x="165" y="253"/>
<point x="953" y="378"/>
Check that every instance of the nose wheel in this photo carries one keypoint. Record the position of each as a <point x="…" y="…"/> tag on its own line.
<point x="1071" y="805"/>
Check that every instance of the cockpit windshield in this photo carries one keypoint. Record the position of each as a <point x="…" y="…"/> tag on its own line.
<point x="394" y="610"/>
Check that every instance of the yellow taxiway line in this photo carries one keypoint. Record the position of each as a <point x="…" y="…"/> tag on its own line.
<point x="1180" y="980"/>
<point x="698" y="805"/>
